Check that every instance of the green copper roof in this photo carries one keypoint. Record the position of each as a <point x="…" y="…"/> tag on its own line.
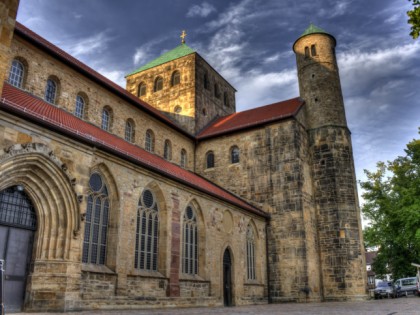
<point x="312" y="29"/>
<point x="178" y="52"/>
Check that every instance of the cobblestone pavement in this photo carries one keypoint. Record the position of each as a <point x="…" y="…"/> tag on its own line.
<point x="402" y="306"/>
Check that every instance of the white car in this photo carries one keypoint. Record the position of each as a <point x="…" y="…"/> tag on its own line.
<point x="406" y="286"/>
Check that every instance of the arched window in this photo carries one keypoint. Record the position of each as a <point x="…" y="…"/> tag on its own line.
<point x="167" y="150"/>
<point x="158" y="84"/>
<point x="176" y="78"/>
<point x="16" y="209"/>
<point x="183" y="158"/>
<point x="225" y="99"/>
<point x="190" y="242"/>
<point x="147" y="231"/>
<point x="17" y="71"/>
<point x="306" y="51"/>
<point x="234" y="154"/>
<point x="96" y="222"/>
<point x="142" y="89"/>
<point x="51" y="91"/>
<point x="313" y="50"/>
<point x="210" y="159"/>
<point x="206" y="81"/>
<point x="129" y="131"/>
<point x="80" y="106"/>
<point x="149" y="141"/>
<point x="250" y="253"/>
<point x="106" y="119"/>
<point x="216" y="90"/>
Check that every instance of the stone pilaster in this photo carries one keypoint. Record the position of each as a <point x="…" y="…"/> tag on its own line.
<point x="8" y="12"/>
<point x="173" y="287"/>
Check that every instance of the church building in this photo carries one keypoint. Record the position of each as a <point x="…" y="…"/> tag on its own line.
<point x="162" y="194"/>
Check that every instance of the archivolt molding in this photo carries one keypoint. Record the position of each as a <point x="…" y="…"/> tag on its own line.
<point x="50" y="186"/>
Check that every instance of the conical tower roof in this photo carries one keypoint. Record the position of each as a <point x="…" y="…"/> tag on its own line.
<point x="178" y="52"/>
<point x="313" y="29"/>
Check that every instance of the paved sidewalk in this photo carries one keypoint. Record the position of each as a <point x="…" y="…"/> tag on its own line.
<point x="402" y="306"/>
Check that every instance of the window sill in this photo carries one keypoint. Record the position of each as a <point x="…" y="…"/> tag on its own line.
<point x="253" y="283"/>
<point x="97" y="269"/>
<point x="147" y="274"/>
<point x="195" y="278"/>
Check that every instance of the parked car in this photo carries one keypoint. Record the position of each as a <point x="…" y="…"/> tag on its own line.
<point x="405" y="286"/>
<point x="418" y="283"/>
<point x="384" y="289"/>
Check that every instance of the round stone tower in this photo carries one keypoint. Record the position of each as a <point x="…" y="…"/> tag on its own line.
<point x="339" y="234"/>
<point x="319" y="81"/>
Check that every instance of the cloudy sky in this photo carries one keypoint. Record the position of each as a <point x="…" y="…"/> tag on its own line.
<point x="250" y="43"/>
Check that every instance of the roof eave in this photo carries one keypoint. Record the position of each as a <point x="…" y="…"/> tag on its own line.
<point x="115" y="152"/>
<point x="97" y="80"/>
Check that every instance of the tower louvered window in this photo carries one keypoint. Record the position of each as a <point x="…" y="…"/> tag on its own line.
<point x="176" y="78"/>
<point x="96" y="226"/>
<point x="142" y="89"/>
<point x="147" y="231"/>
<point x="250" y="253"/>
<point x="158" y="84"/>
<point x="16" y="74"/>
<point x="190" y="242"/>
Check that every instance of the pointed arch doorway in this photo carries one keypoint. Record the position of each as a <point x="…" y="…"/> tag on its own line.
<point x="17" y="228"/>
<point x="227" y="278"/>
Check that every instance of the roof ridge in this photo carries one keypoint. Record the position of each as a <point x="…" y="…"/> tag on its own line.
<point x="252" y="117"/>
<point x="26" y="104"/>
<point x="94" y="75"/>
<point x="179" y="51"/>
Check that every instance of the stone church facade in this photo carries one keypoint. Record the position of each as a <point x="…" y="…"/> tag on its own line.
<point x="161" y="194"/>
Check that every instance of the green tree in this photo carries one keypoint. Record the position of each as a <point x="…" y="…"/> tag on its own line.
<point x="414" y="18"/>
<point x="392" y="204"/>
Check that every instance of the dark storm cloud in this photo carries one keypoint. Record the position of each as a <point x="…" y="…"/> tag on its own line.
<point x="250" y="43"/>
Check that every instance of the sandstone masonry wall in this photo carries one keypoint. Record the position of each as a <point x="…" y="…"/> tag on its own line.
<point x="274" y="173"/>
<point x="118" y="281"/>
<point x="41" y="66"/>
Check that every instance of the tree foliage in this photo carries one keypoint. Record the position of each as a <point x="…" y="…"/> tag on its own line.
<point x="392" y="204"/>
<point x="414" y="18"/>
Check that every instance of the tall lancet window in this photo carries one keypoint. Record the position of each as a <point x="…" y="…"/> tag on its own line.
<point x="147" y="231"/>
<point x="250" y="253"/>
<point x="96" y="226"/>
<point x="190" y="242"/>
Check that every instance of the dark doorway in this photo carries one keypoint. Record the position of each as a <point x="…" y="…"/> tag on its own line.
<point x="227" y="278"/>
<point x="17" y="227"/>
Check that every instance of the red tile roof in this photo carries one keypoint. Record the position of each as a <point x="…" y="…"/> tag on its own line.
<point x="60" y="54"/>
<point x="37" y="110"/>
<point x="252" y="118"/>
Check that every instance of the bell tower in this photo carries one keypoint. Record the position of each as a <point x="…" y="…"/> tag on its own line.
<point x="183" y="86"/>
<point x="339" y="233"/>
